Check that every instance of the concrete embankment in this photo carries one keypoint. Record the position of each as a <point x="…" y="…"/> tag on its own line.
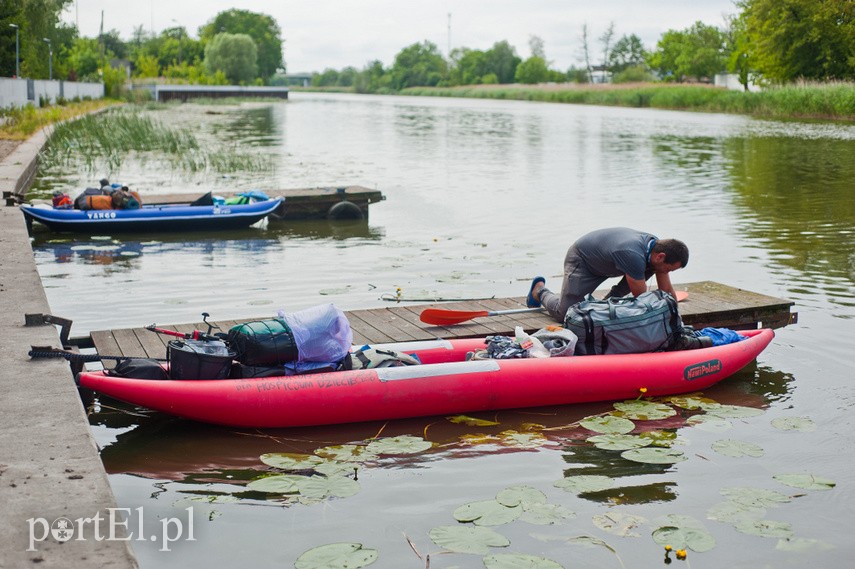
<point x="55" y="498"/>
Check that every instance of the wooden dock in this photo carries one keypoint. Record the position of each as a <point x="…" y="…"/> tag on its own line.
<point x="709" y="304"/>
<point x="338" y="202"/>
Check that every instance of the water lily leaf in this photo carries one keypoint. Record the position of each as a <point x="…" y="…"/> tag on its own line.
<point x="765" y="528"/>
<point x="522" y="440"/>
<point x="754" y="497"/>
<point x="519" y="561"/>
<point x="644" y="410"/>
<point x="336" y="468"/>
<point x="696" y="539"/>
<point x="517" y="495"/>
<point x="737" y="449"/>
<point x="679" y="520"/>
<point x="806" y="481"/>
<point x="467" y="539"/>
<point x="691" y="402"/>
<point x="336" y="556"/>
<point x="347" y="453"/>
<point x="404" y="444"/>
<point x="487" y="513"/>
<point x="278" y="484"/>
<point x="320" y="487"/>
<point x="471" y="421"/>
<point x="479" y="439"/>
<point x="661" y="438"/>
<point x="532" y="427"/>
<point x="608" y="424"/>
<point x="654" y="455"/>
<point x="733" y="411"/>
<point x="731" y="512"/>
<point x="589" y="541"/>
<point x="545" y="514"/>
<point x="291" y="461"/>
<point x="583" y="483"/>
<point x="803" y="424"/>
<point x="802" y="545"/>
<point x="619" y="442"/>
<point x="619" y="523"/>
<point x="709" y="423"/>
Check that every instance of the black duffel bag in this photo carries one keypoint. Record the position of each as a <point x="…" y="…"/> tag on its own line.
<point x="263" y="342"/>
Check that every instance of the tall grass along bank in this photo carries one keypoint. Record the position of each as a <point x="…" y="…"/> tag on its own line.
<point x="808" y="100"/>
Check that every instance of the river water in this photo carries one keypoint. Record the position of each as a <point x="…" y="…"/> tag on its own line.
<point x="481" y="196"/>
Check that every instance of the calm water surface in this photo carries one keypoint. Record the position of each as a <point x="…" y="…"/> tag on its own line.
<point x="481" y="196"/>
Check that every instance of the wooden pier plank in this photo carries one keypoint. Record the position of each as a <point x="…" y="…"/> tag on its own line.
<point x="709" y="304"/>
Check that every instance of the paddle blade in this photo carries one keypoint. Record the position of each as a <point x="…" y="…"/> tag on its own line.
<point x="440" y="317"/>
<point x="681" y="295"/>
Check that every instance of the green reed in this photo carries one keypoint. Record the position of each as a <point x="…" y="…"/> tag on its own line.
<point x="807" y="100"/>
<point x="110" y="138"/>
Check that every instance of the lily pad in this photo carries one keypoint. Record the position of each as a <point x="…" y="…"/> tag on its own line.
<point x="806" y="481"/>
<point x="590" y="541"/>
<point x="487" y="513"/>
<point x="519" y="561"/>
<point x="545" y="514"/>
<point x="467" y="539"/>
<point x="619" y="442"/>
<point x="580" y="484"/>
<point x="619" y="523"/>
<point x="654" y="455"/>
<point x="517" y="495"/>
<point x="522" y="440"/>
<point x="320" y="487"/>
<point x="645" y="410"/>
<point x="754" y="497"/>
<point x="291" y="461"/>
<point x="479" y="439"/>
<point x="734" y="412"/>
<point x="278" y="484"/>
<point x="608" y="424"/>
<point x="471" y="421"/>
<point x="336" y="556"/>
<point x="802" y="545"/>
<point x="803" y="424"/>
<point x="347" y="453"/>
<point x="765" y="528"/>
<point x="691" y="402"/>
<point x="694" y="538"/>
<point x="709" y="423"/>
<point x="404" y="444"/>
<point x="737" y="449"/>
<point x="731" y="512"/>
<point x="336" y="468"/>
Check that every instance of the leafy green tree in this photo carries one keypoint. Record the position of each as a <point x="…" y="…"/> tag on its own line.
<point x="372" y="79"/>
<point x="532" y="70"/>
<point x="263" y="30"/>
<point x="36" y="20"/>
<point x="418" y="65"/>
<point x="146" y="66"/>
<point x="698" y="52"/>
<point x="628" y="51"/>
<point x="84" y="59"/>
<point x="502" y="60"/>
<point x="327" y="78"/>
<point x="633" y="74"/>
<point x="468" y="66"/>
<point x="792" y="39"/>
<point x="233" y="54"/>
<point x="111" y="42"/>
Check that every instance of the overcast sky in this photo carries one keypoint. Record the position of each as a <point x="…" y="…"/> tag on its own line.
<point x="320" y="34"/>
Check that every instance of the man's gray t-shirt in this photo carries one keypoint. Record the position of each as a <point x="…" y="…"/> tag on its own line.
<point x="616" y="251"/>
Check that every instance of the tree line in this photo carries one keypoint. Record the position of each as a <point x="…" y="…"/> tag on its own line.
<point x="776" y="41"/>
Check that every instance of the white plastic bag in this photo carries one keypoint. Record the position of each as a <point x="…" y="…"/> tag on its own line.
<point x="530" y="344"/>
<point x="322" y="333"/>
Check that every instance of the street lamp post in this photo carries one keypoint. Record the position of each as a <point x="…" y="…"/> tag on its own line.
<point x="50" y="59"/>
<point x="17" y="50"/>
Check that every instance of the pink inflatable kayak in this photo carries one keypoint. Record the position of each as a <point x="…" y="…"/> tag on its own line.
<point x="444" y="384"/>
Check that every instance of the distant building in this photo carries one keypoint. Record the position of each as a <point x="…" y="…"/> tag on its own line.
<point x="731" y="81"/>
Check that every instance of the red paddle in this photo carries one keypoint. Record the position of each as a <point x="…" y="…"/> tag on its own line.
<point x="440" y="317"/>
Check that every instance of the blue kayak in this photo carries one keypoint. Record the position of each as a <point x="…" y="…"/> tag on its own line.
<point x="149" y="218"/>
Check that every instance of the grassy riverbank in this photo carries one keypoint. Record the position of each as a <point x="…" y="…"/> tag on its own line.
<point x="826" y="101"/>
<point x="21" y="123"/>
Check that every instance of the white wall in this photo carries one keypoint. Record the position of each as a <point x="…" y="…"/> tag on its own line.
<point x="20" y="92"/>
<point x="731" y="81"/>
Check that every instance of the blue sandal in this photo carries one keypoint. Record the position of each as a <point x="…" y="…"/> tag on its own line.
<point x="529" y="300"/>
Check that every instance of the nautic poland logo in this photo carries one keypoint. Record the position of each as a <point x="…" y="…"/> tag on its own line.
<point x="696" y="371"/>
